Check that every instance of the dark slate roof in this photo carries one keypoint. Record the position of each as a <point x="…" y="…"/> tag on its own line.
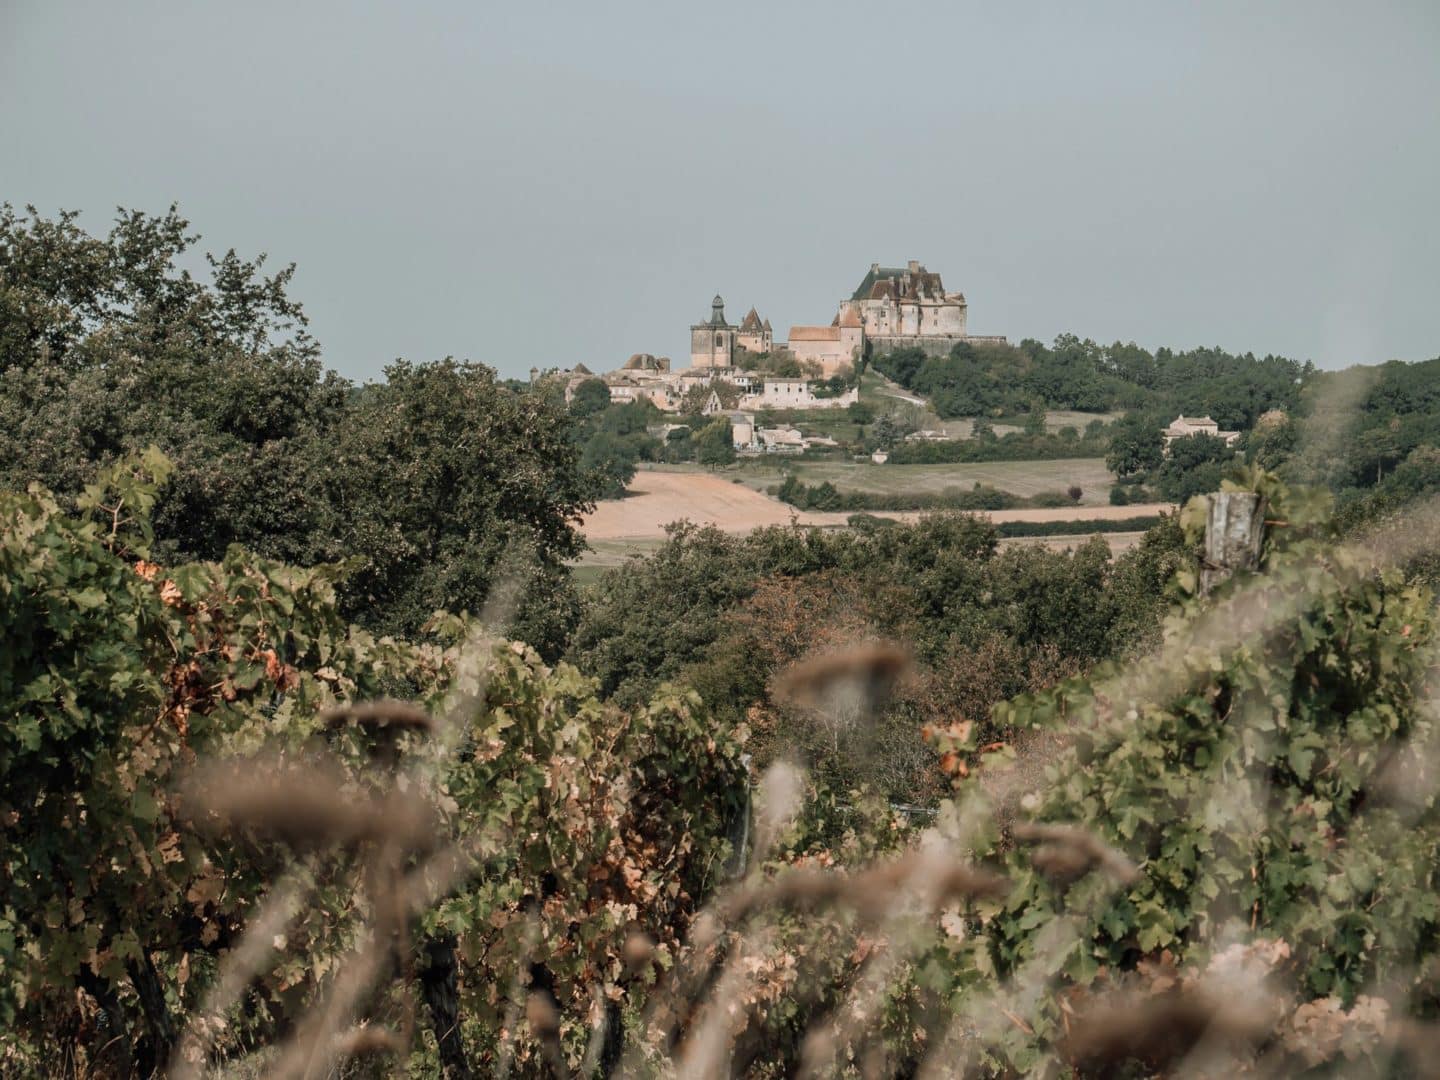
<point x="892" y="281"/>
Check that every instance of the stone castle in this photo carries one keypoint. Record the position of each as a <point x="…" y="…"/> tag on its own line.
<point x="893" y="308"/>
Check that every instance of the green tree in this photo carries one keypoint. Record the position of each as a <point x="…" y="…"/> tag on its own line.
<point x="109" y="345"/>
<point x="590" y="397"/>
<point x="715" y="444"/>
<point x="124" y="896"/>
<point x="860" y="412"/>
<point x="1195" y="465"/>
<point x="448" y="485"/>
<point x="612" y="458"/>
<point x="1136" y="445"/>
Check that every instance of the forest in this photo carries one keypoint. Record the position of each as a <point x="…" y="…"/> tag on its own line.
<point x="316" y="761"/>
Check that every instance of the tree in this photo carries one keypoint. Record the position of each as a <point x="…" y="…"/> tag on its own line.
<point x="860" y="412"/>
<point x="1195" y="465"/>
<point x="1136" y="445"/>
<point x="612" y="458"/>
<point x="885" y="432"/>
<point x="449" y="486"/>
<point x="108" y="345"/>
<point x="590" y="397"/>
<point x="715" y="444"/>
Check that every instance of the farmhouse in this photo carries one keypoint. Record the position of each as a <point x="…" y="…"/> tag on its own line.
<point x="1183" y="427"/>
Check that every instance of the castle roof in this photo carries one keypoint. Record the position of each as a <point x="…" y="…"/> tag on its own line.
<point x="581" y="369"/>
<point x="814" y="333"/>
<point x="717" y="316"/>
<point x="848" y="319"/>
<point x="751" y="322"/>
<point x="899" y="283"/>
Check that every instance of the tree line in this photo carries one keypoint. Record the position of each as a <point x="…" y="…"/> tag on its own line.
<point x="1007" y="380"/>
<point x="435" y="478"/>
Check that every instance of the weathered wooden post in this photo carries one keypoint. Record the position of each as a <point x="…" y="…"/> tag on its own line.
<point x="1234" y="531"/>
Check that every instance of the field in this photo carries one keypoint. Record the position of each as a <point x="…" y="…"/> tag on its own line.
<point x="659" y="497"/>
<point x="885" y="396"/>
<point x="1022" y="478"/>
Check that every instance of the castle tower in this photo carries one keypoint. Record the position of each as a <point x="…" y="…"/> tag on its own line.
<point x="712" y="343"/>
<point x="755" y="336"/>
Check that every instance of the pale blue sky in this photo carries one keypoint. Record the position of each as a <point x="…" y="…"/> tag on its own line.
<point x="551" y="183"/>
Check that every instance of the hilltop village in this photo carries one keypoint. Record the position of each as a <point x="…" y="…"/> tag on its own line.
<point x="738" y="369"/>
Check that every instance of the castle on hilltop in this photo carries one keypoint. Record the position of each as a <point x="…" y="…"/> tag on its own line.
<point x="893" y="308"/>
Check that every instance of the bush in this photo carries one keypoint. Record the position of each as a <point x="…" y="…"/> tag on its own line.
<point x="1250" y="772"/>
<point x="1118" y="497"/>
<point x="1076" y="528"/>
<point x="118" y="676"/>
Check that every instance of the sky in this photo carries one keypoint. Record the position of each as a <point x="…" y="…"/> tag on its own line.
<point x="545" y="184"/>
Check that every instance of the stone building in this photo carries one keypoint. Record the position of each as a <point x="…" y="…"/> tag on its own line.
<point x="1182" y="427"/>
<point x="909" y="308"/>
<point x="712" y="343"/>
<point x="833" y="346"/>
<point x="647" y="362"/>
<point x="755" y="335"/>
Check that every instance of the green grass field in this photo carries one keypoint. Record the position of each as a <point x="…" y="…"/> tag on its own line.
<point x="1022" y="478"/>
<point x="885" y="396"/>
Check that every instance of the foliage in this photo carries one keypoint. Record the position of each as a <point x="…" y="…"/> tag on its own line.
<point x="1075" y="528"/>
<point x="860" y="412"/>
<point x="441" y="518"/>
<point x="587" y="823"/>
<point x="1194" y="466"/>
<point x="115" y="676"/>
<point x="715" y="443"/>
<point x="1269" y="771"/>
<point x="996" y="380"/>
<point x="1136" y="444"/>
<point x="1030" y="445"/>
<point x="825" y="496"/>
<point x="107" y="345"/>
<point x="1356" y="426"/>
<point x="687" y="612"/>
<point x="590" y="397"/>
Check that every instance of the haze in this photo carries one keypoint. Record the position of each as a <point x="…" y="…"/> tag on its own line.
<point x="548" y="184"/>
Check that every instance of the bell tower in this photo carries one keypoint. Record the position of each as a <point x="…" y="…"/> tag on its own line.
<point x="712" y="343"/>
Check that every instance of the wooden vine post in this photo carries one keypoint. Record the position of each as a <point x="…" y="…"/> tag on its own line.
<point x="1234" y="531"/>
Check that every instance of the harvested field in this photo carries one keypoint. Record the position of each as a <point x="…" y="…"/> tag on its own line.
<point x="658" y="498"/>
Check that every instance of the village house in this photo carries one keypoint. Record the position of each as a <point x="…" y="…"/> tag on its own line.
<point x="742" y="430"/>
<point x="836" y="347"/>
<point x="1183" y="427"/>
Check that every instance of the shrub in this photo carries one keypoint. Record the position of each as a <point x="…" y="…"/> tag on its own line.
<point x="568" y="824"/>
<point x="1267" y="772"/>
